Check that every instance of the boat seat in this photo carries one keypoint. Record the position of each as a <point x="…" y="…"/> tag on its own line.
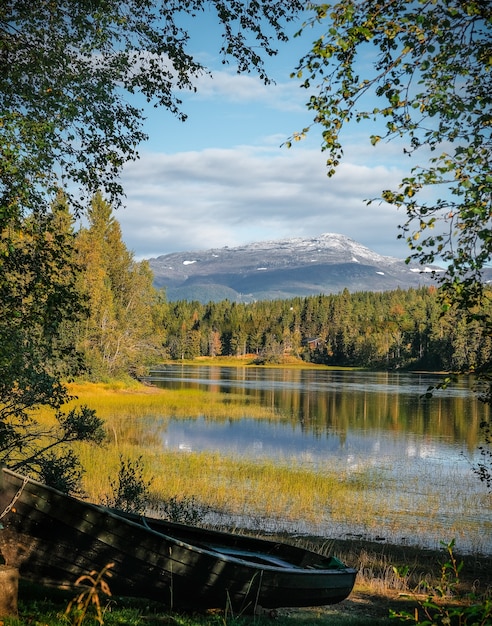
<point x="248" y="555"/>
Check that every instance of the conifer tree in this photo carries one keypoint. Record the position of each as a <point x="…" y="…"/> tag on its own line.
<point x="120" y="334"/>
<point x="38" y="294"/>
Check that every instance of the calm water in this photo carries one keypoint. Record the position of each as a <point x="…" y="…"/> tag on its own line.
<point x="357" y="420"/>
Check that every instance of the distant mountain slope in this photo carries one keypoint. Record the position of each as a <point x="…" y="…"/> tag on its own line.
<point x="281" y="269"/>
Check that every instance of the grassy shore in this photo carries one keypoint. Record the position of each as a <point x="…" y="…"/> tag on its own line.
<point x="250" y="360"/>
<point x="135" y="419"/>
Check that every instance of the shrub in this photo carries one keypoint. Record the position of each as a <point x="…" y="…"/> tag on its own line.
<point x="445" y="604"/>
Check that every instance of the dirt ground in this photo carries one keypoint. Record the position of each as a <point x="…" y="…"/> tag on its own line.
<point x="378" y="588"/>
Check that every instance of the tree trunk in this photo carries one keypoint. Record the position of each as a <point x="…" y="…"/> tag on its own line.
<point x="9" y="586"/>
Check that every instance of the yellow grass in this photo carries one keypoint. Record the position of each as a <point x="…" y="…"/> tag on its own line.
<point x="277" y="491"/>
<point x="116" y="401"/>
<point x="248" y="360"/>
<point x="136" y="419"/>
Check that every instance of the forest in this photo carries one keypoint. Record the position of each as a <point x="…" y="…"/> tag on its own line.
<point x="391" y="330"/>
<point x="127" y="325"/>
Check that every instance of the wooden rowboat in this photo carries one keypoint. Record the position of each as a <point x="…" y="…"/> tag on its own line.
<point x="54" y="539"/>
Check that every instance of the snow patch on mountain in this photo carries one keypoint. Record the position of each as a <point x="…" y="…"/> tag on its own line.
<point x="283" y="268"/>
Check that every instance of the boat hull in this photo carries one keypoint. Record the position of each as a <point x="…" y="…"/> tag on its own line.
<point x="54" y="539"/>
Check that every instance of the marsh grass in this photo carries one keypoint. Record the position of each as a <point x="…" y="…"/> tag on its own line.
<point x="234" y="485"/>
<point x="288" y="493"/>
<point x="114" y="401"/>
<point x="269" y="495"/>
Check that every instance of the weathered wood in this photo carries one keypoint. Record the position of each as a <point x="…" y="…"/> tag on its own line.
<point x="55" y="539"/>
<point x="9" y="589"/>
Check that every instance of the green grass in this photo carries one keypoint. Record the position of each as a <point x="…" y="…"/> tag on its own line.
<point x="48" y="609"/>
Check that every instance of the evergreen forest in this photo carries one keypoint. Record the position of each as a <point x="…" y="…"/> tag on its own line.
<point x="391" y="330"/>
<point x="125" y="325"/>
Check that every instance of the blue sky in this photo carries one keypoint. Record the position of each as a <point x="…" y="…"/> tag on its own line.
<point x="222" y="178"/>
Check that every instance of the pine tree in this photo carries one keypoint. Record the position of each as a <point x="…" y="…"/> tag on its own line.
<point x="120" y="334"/>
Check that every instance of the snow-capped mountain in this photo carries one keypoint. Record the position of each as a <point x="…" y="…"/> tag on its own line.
<point x="282" y="268"/>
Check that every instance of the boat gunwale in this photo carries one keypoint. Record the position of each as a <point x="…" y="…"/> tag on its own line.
<point x="214" y="552"/>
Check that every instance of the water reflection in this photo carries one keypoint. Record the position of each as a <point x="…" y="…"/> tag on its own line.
<point x="341" y="408"/>
<point x="419" y="450"/>
<point x="256" y="439"/>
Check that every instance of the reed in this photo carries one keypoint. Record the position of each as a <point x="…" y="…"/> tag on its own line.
<point x="238" y="487"/>
<point x="274" y="494"/>
<point x="268" y="495"/>
<point x="117" y="401"/>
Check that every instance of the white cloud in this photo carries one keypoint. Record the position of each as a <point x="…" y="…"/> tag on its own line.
<point x="230" y="87"/>
<point x="216" y="197"/>
<point x="222" y="180"/>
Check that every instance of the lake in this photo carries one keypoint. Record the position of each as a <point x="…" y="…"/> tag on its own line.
<point x="356" y="421"/>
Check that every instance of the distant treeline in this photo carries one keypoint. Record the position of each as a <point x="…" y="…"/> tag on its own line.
<point x="394" y="329"/>
<point x="127" y="325"/>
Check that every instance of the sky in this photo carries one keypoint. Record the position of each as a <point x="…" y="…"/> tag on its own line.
<point x="223" y="177"/>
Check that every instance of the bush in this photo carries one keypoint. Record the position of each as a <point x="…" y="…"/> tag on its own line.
<point x="445" y="604"/>
<point x="130" y="492"/>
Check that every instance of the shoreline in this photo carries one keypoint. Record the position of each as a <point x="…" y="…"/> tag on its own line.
<point x="376" y="560"/>
<point x="377" y="590"/>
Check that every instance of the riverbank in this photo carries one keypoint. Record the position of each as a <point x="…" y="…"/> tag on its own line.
<point x="252" y="360"/>
<point x="287" y="361"/>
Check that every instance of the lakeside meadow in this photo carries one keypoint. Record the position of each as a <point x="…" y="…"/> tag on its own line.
<point x="390" y="577"/>
<point x="233" y="489"/>
<point x="386" y="479"/>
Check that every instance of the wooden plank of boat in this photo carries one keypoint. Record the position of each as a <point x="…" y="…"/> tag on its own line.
<point x="54" y="539"/>
<point x="253" y="548"/>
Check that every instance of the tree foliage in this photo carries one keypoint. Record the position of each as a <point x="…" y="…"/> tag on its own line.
<point x="120" y="334"/>
<point x="427" y="79"/>
<point x="38" y="292"/>
<point x="423" y="70"/>
<point x="68" y="123"/>
<point x="391" y="330"/>
<point x="71" y="67"/>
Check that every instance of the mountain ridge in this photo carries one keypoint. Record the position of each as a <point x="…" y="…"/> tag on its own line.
<point x="283" y="268"/>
